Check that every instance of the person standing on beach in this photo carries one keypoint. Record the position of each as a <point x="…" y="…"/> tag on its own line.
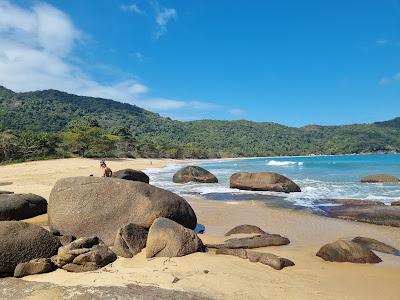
<point x="105" y="171"/>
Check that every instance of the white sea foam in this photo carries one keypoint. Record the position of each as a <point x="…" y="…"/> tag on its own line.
<point x="283" y="163"/>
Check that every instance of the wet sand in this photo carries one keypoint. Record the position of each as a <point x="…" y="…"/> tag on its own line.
<point x="226" y="277"/>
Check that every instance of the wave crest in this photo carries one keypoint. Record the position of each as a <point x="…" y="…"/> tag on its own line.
<point x="283" y="163"/>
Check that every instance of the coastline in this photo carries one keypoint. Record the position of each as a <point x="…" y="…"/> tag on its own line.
<point x="220" y="276"/>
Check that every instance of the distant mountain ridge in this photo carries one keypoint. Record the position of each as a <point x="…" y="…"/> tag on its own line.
<point x="51" y="110"/>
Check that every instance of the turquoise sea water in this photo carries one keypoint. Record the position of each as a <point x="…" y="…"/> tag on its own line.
<point x="319" y="177"/>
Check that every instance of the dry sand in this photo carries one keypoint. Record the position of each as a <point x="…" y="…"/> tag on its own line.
<point x="225" y="277"/>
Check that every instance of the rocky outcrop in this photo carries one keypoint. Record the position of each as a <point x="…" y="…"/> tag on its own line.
<point x="347" y="251"/>
<point x="131" y="174"/>
<point x="167" y="238"/>
<point x="395" y="203"/>
<point x="35" y="266"/>
<point x="380" y="178"/>
<point x="245" y="229"/>
<point x="195" y="174"/>
<point x="21" y="206"/>
<point x="263" y="182"/>
<point x="21" y="242"/>
<point x="89" y="206"/>
<point x="372" y="213"/>
<point x="130" y="240"/>
<point x="375" y="245"/>
<point x="264" y="240"/>
<point x="84" y="254"/>
<point x="269" y="259"/>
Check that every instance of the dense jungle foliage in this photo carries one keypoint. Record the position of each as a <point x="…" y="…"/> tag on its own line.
<point x="50" y="123"/>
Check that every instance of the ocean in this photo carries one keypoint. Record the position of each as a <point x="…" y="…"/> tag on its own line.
<point x="319" y="177"/>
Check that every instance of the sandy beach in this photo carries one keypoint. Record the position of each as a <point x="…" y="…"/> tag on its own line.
<point x="226" y="277"/>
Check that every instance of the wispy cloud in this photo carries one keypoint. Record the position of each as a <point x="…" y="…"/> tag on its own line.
<point x="382" y="42"/>
<point x="162" y="17"/>
<point x="236" y="112"/>
<point x="132" y="8"/>
<point x="390" y="80"/>
<point x="37" y="52"/>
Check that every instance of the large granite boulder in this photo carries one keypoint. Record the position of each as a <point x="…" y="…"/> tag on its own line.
<point x="264" y="181"/>
<point x="245" y="229"/>
<point x="375" y="245"/>
<point x="89" y="206"/>
<point x="21" y="242"/>
<point x="21" y="206"/>
<point x="257" y="241"/>
<point x="34" y="266"/>
<point x="348" y="251"/>
<point x="84" y="254"/>
<point x="130" y="240"/>
<point x="195" y="174"/>
<point x="167" y="238"/>
<point x="380" y="178"/>
<point x="131" y="174"/>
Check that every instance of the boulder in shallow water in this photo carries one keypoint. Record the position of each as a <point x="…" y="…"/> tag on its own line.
<point x="21" y="242"/>
<point x="264" y="181"/>
<point x="348" y="251"/>
<point x="21" y="206"/>
<point x="88" y="206"/>
<point x="167" y="238"/>
<point x="131" y="174"/>
<point x="258" y="241"/>
<point x="130" y="240"/>
<point x="269" y="259"/>
<point x="380" y="178"/>
<point x="245" y="229"/>
<point x="195" y="174"/>
<point x="376" y="245"/>
<point x="34" y="266"/>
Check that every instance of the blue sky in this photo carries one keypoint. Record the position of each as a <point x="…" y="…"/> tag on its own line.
<point x="291" y="62"/>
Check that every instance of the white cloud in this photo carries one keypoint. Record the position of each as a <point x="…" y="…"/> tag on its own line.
<point x="382" y="42"/>
<point x="390" y="80"/>
<point x="163" y="17"/>
<point x="37" y="52"/>
<point x="132" y="8"/>
<point x="236" y="112"/>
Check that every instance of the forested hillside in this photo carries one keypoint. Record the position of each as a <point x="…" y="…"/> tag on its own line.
<point x="51" y="123"/>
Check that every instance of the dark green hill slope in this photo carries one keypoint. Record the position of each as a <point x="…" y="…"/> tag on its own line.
<point x="52" y="110"/>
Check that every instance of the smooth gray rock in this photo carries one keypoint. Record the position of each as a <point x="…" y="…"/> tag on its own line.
<point x="21" y="242"/>
<point x="258" y="241"/>
<point x="131" y="174"/>
<point x="380" y="178"/>
<point x="194" y="174"/>
<point x="130" y="240"/>
<point x="21" y="206"/>
<point x="265" y="181"/>
<point x="245" y="229"/>
<point x="376" y="245"/>
<point x="167" y="238"/>
<point x="242" y="253"/>
<point x="88" y="206"/>
<point x="269" y="259"/>
<point x="348" y="251"/>
<point x="34" y="266"/>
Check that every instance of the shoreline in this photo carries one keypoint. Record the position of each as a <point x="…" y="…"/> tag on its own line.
<point x="310" y="278"/>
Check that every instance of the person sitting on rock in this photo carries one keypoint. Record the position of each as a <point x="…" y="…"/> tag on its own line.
<point x="105" y="171"/>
